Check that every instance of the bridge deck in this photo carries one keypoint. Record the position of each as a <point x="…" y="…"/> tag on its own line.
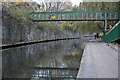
<point x="99" y="61"/>
<point x="75" y="16"/>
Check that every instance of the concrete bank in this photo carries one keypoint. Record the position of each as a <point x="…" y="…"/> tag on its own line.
<point x="32" y="42"/>
<point x="98" y="61"/>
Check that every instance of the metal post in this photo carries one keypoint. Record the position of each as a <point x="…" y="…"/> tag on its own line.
<point x="66" y="16"/>
<point x="110" y="16"/>
<point x="101" y="16"/>
<point x="105" y="25"/>
<point x="78" y="16"/>
<point x="57" y="16"/>
<point x="45" y="16"/>
<point x="39" y="16"/>
<point x="35" y="16"/>
<point x="105" y="22"/>
<point x="115" y="15"/>
<point x="96" y="16"/>
<point x="61" y="16"/>
<point x="72" y="16"/>
<point x="87" y="16"/>
<point x="82" y="16"/>
<point x="91" y="16"/>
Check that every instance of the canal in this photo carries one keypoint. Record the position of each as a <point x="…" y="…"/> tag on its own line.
<point x="56" y="59"/>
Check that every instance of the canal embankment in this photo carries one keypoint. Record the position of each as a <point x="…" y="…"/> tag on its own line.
<point x="114" y="46"/>
<point x="33" y="42"/>
<point x="18" y="29"/>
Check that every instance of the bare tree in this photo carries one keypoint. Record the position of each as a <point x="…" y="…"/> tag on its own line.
<point x="58" y="6"/>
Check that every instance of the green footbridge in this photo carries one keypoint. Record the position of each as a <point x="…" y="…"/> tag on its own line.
<point x="75" y="16"/>
<point x="113" y="35"/>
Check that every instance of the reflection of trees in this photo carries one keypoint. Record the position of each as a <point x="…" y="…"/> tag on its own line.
<point x="15" y="63"/>
<point x="73" y="56"/>
<point x="53" y="56"/>
<point x="72" y="61"/>
<point x="49" y="57"/>
<point x="20" y="60"/>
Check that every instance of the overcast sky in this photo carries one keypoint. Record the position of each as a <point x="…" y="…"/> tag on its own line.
<point x="74" y="2"/>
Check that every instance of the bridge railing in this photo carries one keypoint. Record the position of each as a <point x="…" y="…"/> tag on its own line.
<point x="96" y="15"/>
<point x="113" y="34"/>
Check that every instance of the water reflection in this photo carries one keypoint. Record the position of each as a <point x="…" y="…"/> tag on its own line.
<point x="59" y="73"/>
<point x="19" y="62"/>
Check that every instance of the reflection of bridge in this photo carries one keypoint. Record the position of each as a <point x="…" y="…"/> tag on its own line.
<point x="75" y="16"/>
<point x="56" y="73"/>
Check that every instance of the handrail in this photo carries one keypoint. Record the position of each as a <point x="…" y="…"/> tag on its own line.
<point x="114" y="34"/>
<point x="74" y="16"/>
<point x="116" y="25"/>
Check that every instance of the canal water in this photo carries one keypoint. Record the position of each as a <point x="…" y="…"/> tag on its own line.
<point x="57" y="58"/>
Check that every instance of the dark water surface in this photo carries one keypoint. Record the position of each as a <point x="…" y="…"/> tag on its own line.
<point x="55" y="58"/>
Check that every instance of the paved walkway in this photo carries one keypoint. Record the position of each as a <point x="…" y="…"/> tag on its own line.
<point x="98" y="61"/>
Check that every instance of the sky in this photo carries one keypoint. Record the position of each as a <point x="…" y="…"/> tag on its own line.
<point x="74" y="2"/>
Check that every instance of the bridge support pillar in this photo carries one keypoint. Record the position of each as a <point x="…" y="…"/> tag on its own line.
<point x="105" y="25"/>
<point x="105" y="29"/>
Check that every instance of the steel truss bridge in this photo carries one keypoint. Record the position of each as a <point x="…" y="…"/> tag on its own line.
<point x="111" y="36"/>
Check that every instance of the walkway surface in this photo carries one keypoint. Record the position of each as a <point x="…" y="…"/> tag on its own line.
<point x="98" y="61"/>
